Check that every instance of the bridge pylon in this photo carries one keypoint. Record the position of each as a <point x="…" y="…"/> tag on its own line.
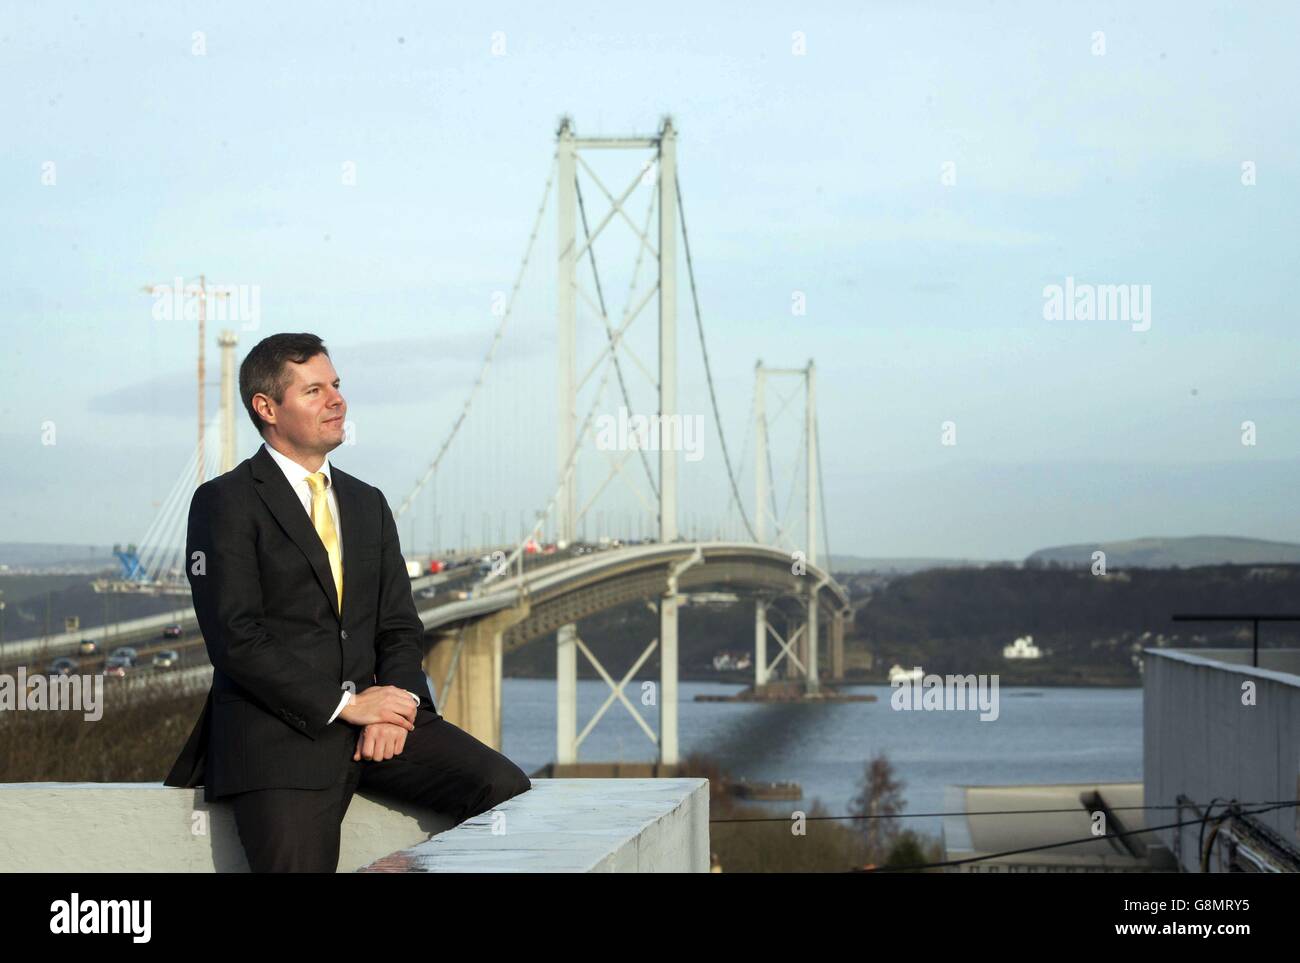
<point x="570" y="252"/>
<point x="803" y="647"/>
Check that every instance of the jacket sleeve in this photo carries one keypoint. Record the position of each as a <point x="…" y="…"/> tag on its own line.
<point x="226" y="584"/>
<point x="399" y="633"/>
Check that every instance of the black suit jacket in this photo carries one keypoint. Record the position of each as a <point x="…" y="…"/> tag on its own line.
<point x="281" y="654"/>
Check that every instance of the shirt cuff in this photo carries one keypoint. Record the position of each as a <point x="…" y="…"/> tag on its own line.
<point x="347" y="697"/>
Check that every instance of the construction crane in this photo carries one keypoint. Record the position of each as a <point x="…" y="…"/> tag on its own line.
<point x="203" y="296"/>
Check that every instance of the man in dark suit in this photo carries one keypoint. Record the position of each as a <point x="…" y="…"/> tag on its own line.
<point x="305" y="606"/>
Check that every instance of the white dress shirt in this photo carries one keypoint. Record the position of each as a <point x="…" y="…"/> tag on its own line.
<point x="297" y="476"/>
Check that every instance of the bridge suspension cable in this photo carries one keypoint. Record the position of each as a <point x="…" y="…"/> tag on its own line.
<point x="781" y="525"/>
<point x="487" y="360"/>
<point x="569" y="466"/>
<point x="614" y="340"/>
<point x="708" y="369"/>
<point x="821" y="492"/>
<point x="609" y="355"/>
<point x="744" y="452"/>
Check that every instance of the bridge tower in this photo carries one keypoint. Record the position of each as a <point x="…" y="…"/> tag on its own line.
<point x="570" y="252"/>
<point x="802" y="647"/>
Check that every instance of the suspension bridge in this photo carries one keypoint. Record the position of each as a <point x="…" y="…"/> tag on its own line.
<point x="612" y="484"/>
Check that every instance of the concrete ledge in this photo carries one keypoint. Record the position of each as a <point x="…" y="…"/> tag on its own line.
<point x="575" y="826"/>
<point x="560" y="825"/>
<point x="92" y="827"/>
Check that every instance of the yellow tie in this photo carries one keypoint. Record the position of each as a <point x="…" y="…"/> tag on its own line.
<point x="323" y="522"/>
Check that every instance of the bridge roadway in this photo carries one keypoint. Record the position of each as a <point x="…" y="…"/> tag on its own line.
<point x="564" y="592"/>
<point x="549" y="594"/>
<point x="145" y="634"/>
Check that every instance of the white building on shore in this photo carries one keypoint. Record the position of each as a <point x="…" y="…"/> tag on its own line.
<point x="1022" y="648"/>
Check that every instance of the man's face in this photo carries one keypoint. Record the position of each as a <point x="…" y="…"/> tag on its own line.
<point x="310" y="418"/>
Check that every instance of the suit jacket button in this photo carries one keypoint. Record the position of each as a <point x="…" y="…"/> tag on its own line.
<point x="301" y="724"/>
<point x="344" y="635"/>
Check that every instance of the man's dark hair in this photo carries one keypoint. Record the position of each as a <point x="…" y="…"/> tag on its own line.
<point x="264" y="372"/>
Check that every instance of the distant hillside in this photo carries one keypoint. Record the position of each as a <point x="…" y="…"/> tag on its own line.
<point x="1091" y="629"/>
<point x="958" y="620"/>
<point x="37" y="604"/>
<point x="1173" y="552"/>
<point x="900" y="566"/>
<point x="50" y="556"/>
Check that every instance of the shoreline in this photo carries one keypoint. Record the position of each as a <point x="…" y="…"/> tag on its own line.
<point x="744" y="679"/>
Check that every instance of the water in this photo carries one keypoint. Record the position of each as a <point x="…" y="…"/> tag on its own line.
<point x="1040" y="736"/>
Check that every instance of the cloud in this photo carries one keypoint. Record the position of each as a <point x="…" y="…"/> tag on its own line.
<point x="159" y="396"/>
<point x="458" y="347"/>
<point x="393" y="371"/>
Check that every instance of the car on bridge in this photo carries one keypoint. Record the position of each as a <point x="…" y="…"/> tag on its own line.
<point x="166" y="659"/>
<point x="117" y="666"/>
<point x="172" y="632"/>
<point x="88" y="647"/>
<point x="127" y="652"/>
<point x="62" y="666"/>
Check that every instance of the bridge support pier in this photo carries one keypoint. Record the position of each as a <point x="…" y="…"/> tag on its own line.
<point x="668" y="678"/>
<point x="794" y="649"/>
<point x="567" y="738"/>
<point x="810" y="639"/>
<point x="800" y="640"/>
<point x="466" y="671"/>
<point x="566" y="694"/>
<point x="837" y="646"/>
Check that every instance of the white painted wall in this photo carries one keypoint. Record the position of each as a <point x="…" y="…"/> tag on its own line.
<point x="1200" y="741"/>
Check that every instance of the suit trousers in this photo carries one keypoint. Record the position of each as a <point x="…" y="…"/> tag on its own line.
<point x="441" y="767"/>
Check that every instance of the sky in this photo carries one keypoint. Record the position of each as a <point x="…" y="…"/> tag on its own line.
<point x="884" y="188"/>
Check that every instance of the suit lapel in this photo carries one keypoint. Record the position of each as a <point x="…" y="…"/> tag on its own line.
<point x="278" y="495"/>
